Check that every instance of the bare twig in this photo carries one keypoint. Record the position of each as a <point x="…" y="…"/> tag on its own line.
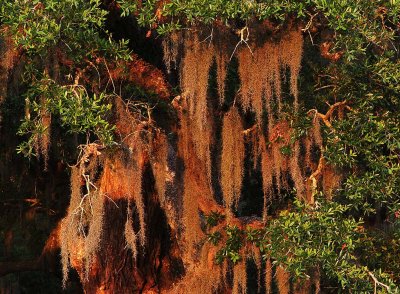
<point x="244" y="38"/>
<point x="250" y="130"/>
<point x="378" y="283"/>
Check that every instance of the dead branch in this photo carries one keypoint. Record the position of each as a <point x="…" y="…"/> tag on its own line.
<point x="250" y="130"/>
<point x="326" y="118"/>
<point x="377" y="283"/>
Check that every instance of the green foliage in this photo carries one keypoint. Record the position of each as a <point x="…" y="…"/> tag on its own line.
<point x="286" y="150"/>
<point x="309" y="237"/>
<point x="82" y="113"/>
<point x="77" y="111"/>
<point x="381" y="249"/>
<point x="233" y="244"/>
<point x="214" y="238"/>
<point x="341" y="16"/>
<point x="76" y="25"/>
<point x="372" y="155"/>
<point x="76" y="30"/>
<point x="213" y="219"/>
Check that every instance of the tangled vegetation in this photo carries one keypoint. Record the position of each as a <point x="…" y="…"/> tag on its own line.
<point x="270" y="139"/>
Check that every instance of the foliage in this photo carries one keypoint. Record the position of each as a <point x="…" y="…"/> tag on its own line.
<point x="363" y="143"/>
<point x="306" y="238"/>
<point x="76" y="25"/>
<point x="77" y="111"/>
<point x="233" y="244"/>
<point x="75" y="30"/>
<point x="213" y="219"/>
<point x="342" y="16"/>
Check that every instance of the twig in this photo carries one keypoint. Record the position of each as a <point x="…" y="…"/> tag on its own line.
<point x="327" y="116"/>
<point x="250" y="130"/>
<point x="109" y="74"/>
<point x="377" y="283"/>
<point x="309" y="24"/>
<point x="209" y="37"/>
<point x="243" y="39"/>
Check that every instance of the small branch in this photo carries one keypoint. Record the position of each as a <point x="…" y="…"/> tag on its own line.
<point x="377" y="283"/>
<point x="315" y="176"/>
<point x="244" y="38"/>
<point x="250" y="130"/>
<point x="325" y="87"/>
<point x="309" y="24"/>
<point x="333" y="107"/>
<point x="328" y="115"/>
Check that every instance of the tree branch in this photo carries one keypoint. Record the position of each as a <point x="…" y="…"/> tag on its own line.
<point x="328" y="115"/>
<point x="314" y="177"/>
<point x="377" y="283"/>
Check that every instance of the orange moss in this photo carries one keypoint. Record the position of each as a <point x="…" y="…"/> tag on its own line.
<point x="316" y="132"/>
<point x="130" y="235"/>
<point x="267" y="176"/>
<point x="92" y="240"/>
<point x="282" y="280"/>
<point x="45" y="136"/>
<point x="295" y="171"/>
<point x="222" y="67"/>
<point x="239" y="278"/>
<point x="194" y="82"/>
<point x="268" y="276"/>
<point x="170" y="46"/>
<point x="279" y="137"/>
<point x="232" y="161"/>
<point x="199" y="279"/>
<point x="195" y="186"/>
<point x="68" y="231"/>
<point x="330" y="180"/>
<point x="291" y="54"/>
<point x="158" y="159"/>
<point x="308" y="163"/>
<point x="258" y="262"/>
<point x="270" y="60"/>
<point x="8" y="53"/>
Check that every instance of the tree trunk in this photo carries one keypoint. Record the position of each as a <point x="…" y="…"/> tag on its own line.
<point x="158" y="264"/>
